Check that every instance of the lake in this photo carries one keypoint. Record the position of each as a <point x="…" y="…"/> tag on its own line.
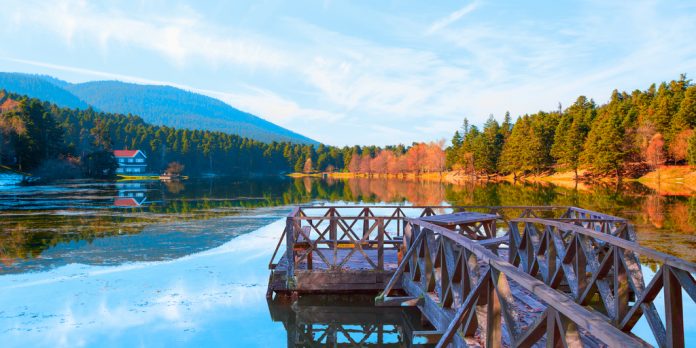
<point x="134" y="263"/>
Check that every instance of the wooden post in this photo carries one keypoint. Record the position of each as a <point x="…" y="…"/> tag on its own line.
<point x="620" y="287"/>
<point x="580" y="265"/>
<point x="333" y="234"/>
<point x="674" y="311"/>
<point x="289" y="251"/>
<point x="494" y="327"/>
<point x="380" y="244"/>
<point x="551" y="255"/>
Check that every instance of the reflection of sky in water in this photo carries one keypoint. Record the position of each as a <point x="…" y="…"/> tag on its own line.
<point x="155" y="242"/>
<point x="216" y="297"/>
<point x="210" y="298"/>
<point x="642" y="329"/>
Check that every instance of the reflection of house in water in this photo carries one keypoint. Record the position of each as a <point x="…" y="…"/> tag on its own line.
<point x="130" y="194"/>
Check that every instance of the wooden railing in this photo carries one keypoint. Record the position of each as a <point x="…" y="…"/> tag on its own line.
<point x="465" y="290"/>
<point x="363" y="228"/>
<point x="603" y="270"/>
<point x="583" y="265"/>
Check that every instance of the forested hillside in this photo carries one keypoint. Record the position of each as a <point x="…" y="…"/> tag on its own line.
<point x="40" y="136"/>
<point x="173" y="107"/>
<point x="158" y="105"/>
<point x="631" y="133"/>
<point x="40" y="87"/>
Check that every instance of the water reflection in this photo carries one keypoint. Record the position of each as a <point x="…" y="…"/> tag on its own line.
<point x="130" y="194"/>
<point x="79" y="214"/>
<point x="346" y="320"/>
<point x="182" y="269"/>
<point x="207" y="299"/>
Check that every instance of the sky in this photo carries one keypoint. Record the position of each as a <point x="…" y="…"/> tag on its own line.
<point x="360" y="72"/>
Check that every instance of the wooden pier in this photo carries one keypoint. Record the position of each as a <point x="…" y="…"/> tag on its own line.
<point x="489" y="276"/>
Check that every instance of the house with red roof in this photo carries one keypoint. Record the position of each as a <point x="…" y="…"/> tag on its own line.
<point x="130" y="162"/>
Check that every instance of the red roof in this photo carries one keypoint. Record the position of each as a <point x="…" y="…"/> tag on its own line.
<point x="126" y="153"/>
<point x="126" y="202"/>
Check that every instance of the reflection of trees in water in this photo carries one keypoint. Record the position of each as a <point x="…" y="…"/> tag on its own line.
<point x="29" y="237"/>
<point x="385" y="190"/>
<point x="174" y="186"/>
<point x="26" y="236"/>
<point x="653" y="209"/>
<point x="683" y="214"/>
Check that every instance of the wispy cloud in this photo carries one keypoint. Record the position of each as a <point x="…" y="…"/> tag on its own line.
<point x="297" y="71"/>
<point x="179" y="36"/>
<point x="452" y="17"/>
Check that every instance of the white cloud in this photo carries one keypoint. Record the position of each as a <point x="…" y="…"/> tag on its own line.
<point x="452" y="17"/>
<point x="416" y="84"/>
<point x="275" y="108"/>
<point x="178" y="37"/>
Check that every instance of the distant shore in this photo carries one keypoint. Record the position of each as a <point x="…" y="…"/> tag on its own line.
<point x="677" y="180"/>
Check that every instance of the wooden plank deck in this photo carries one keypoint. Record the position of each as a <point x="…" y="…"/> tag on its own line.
<point x="357" y="274"/>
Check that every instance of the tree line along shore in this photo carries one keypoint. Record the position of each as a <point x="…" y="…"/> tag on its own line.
<point x="627" y="137"/>
<point x="630" y="136"/>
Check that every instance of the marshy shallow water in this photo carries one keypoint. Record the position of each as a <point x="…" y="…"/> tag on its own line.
<point x="185" y="264"/>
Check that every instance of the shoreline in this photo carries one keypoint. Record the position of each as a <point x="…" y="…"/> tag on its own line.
<point x="675" y="180"/>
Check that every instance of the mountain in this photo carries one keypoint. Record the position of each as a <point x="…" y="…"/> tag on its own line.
<point x="159" y="105"/>
<point x="41" y="87"/>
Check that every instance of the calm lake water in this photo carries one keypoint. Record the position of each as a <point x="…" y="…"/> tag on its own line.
<point x="185" y="264"/>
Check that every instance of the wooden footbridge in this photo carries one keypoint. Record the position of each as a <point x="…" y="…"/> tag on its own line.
<point x="491" y="276"/>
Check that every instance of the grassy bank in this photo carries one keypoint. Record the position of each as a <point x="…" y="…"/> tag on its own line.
<point x="671" y="180"/>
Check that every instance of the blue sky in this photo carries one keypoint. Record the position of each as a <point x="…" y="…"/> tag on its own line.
<point x="360" y="72"/>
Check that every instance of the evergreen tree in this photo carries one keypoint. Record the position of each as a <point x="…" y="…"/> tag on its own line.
<point x="571" y="133"/>
<point x="603" y="151"/>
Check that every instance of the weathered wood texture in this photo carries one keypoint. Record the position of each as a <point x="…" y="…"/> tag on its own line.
<point x="559" y="275"/>
<point x="603" y="270"/>
<point x="472" y="224"/>
<point x="330" y="240"/>
<point x="474" y="296"/>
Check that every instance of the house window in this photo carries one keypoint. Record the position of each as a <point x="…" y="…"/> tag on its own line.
<point x="130" y="160"/>
<point x="120" y="160"/>
<point x="140" y="160"/>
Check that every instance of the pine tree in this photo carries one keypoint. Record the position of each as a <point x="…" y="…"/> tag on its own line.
<point x="603" y="151"/>
<point x="685" y="118"/>
<point x="571" y="133"/>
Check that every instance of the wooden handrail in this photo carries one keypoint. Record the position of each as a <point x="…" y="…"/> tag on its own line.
<point x="494" y="283"/>
<point x="620" y="242"/>
<point x="346" y="225"/>
<point x="595" y="264"/>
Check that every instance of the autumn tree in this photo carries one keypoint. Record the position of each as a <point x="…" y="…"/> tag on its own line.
<point x="365" y="163"/>
<point x="680" y="144"/>
<point x="307" y="168"/>
<point x="655" y="152"/>
<point x="354" y="165"/>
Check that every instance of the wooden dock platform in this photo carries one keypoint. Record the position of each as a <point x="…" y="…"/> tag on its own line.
<point x="357" y="274"/>
<point x="489" y="276"/>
